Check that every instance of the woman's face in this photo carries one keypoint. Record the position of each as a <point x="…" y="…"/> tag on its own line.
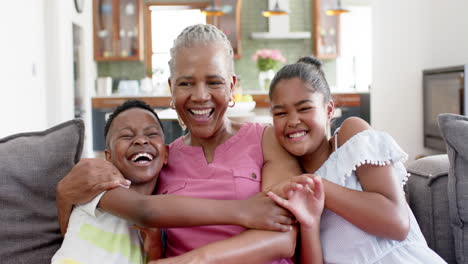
<point x="201" y="86"/>
<point x="300" y="116"/>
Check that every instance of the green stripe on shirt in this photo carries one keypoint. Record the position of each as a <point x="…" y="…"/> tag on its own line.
<point x="110" y="242"/>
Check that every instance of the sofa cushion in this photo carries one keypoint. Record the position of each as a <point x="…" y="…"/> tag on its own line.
<point x="454" y="129"/>
<point x="31" y="165"/>
<point x="426" y="192"/>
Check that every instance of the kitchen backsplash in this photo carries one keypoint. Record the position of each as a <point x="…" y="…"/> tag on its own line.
<point x="131" y="70"/>
<point x="251" y="21"/>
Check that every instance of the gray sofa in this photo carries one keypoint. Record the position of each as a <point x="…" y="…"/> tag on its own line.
<point x="437" y="192"/>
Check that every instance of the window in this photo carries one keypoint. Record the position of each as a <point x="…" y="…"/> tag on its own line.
<point x="354" y="65"/>
<point x="164" y="24"/>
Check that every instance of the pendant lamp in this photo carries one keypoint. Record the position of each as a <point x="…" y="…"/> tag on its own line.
<point x="336" y="11"/>
<point x="212" y="10"/>
<point x="276" y="11"/>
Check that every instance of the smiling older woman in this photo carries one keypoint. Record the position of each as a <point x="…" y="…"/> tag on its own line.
<point x="217" y="159"/>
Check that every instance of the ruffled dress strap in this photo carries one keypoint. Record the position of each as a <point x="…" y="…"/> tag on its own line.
<point x="366" y="147"/>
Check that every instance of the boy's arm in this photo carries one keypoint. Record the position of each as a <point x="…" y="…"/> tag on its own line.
<point x="162" y="211"/>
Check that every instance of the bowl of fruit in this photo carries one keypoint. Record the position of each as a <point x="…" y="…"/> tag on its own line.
<point x="244" y="105"/>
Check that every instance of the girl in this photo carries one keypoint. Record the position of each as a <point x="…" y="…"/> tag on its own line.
<point x="366" y="219"/>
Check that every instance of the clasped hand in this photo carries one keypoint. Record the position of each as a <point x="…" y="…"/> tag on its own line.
<point x="299" y="199"/>
<point x="305" y="198"/>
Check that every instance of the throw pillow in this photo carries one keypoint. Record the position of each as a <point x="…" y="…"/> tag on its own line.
<point x="454" y="129"/>
<point x="31" y="165"/>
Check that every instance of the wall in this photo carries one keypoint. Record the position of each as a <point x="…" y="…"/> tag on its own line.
<point x="22" y="65"/>
<point x="37" y="64"/>
<point x="59" y="18"/>
<point x="251" y="21"/>
<point x="409" y="36"/>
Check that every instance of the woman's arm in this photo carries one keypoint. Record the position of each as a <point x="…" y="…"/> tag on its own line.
<point x="87" y="179"/>
<point x="152" y="243"/>
<point x="381" y="208"/>
<point x="251" y="246"/>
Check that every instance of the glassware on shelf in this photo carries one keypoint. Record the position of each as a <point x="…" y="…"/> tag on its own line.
<point x="130" y="9"/>
<point x="116" y="24"/>
<point x="106" y="8"/>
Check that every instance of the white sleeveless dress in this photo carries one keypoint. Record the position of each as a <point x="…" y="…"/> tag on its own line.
<point x="343" y="242"/>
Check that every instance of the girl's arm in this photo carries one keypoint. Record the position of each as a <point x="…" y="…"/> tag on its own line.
<point x="307" y="206"/>
<point x="380" y="209"/>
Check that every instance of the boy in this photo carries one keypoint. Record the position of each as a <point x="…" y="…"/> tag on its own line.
<point x="135" y="145"/>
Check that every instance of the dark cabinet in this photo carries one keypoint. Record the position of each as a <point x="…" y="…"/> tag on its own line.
<point x="117" y="30"/>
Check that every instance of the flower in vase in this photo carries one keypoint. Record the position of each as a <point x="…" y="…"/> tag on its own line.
<point x="268" y="59"/>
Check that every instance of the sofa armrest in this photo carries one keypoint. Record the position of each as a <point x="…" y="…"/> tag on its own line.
<point x="426" y="193"/>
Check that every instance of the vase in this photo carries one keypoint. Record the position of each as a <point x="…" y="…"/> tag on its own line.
<point x="264" y="79"/>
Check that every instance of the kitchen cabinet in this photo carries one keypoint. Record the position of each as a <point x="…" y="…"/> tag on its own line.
<point x="326" y="38"/>
<point x="229" y="23"/>
<point x="117" y="30"/>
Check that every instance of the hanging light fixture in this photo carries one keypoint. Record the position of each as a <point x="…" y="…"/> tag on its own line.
<point x="276" y="11"/>
<point x="336" y="11"/>
<point x="212" y="10"/>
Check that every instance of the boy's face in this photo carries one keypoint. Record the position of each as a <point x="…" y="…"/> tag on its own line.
<point x="136" y="145"/>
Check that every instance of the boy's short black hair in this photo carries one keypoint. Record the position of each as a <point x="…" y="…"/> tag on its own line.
<point x="129" y="104"/>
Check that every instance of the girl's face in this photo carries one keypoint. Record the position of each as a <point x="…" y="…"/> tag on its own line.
<point x="300" y="116"/>
<point x="201" y="86"/>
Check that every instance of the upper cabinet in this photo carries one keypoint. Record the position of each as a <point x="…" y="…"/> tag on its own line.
<point x="117" y="30"/>
<point x="229" y="23"/>
<point x="326" y="30"/>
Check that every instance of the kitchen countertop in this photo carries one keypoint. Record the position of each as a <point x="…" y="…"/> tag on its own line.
<point x="258" y="115"/>
<point x="261" y="99"/>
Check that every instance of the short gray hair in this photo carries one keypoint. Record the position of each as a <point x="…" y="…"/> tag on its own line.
<point x="204" y="34"/>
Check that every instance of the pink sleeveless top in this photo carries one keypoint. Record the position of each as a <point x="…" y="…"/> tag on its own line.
<point x="234" y="174"/>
